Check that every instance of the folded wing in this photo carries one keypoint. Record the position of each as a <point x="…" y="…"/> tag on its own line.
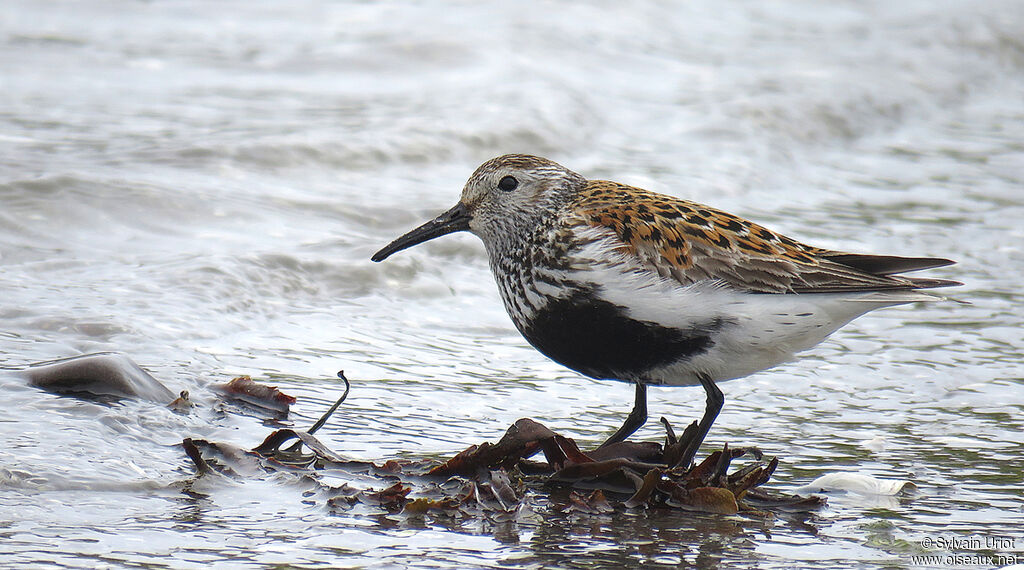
<point x="693" y="243"/>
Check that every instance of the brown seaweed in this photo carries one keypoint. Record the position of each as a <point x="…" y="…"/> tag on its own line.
<point x="243" y="388"/>
<point x="494" y="477"/>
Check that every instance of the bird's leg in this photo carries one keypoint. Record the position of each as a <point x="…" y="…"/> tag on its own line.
<point x="636" y="418"/>
<point x="714" y="405"/>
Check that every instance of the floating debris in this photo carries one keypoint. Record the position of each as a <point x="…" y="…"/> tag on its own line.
<point x="99" y="374"/>
<point x="243" y="388"/>
<point x="502" y="477"/>
<point x="859" y="483"/>
<point x="182" y="404"/>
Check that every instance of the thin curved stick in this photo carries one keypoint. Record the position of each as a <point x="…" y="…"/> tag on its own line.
<point x="323" y="419"/>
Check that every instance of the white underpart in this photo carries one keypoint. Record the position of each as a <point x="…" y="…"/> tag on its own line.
<point x="547" y="289"/>
<point x="758" y="330"/>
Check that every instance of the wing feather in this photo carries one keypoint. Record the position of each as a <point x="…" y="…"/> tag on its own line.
<point x="691" y="243"/>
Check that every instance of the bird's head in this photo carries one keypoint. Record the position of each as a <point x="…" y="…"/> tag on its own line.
<point x="505" y="198"/>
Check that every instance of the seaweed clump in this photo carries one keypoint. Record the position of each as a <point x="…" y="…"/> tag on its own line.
<point x="528" y="457"/>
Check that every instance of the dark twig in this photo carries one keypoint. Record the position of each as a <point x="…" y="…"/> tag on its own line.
<point x="323" y="419"/>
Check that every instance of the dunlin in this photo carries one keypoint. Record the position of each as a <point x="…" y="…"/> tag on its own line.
<point x="620" y="283"/>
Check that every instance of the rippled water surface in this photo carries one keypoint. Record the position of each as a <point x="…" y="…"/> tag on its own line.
<point x="200" y="186"/>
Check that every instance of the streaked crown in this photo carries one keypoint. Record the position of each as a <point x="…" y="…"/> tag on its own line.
<point x="513" y="194"/>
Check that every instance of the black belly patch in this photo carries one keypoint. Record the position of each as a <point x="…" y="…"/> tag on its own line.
<point x="596" y="338"/>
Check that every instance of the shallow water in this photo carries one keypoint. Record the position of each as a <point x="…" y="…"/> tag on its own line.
<point x="201" y="185"/>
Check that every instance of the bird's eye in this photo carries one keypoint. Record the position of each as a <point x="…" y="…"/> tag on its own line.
<point x="508" y="183"/>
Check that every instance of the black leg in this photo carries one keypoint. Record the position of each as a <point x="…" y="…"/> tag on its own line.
<point x="635" y="419"/>
<point x="714" y="405"/>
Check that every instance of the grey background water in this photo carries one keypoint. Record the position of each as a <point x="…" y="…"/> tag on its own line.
<point x="200" y="185"/>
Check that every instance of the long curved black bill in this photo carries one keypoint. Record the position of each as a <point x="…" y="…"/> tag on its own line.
<point x="454" y="220"/>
